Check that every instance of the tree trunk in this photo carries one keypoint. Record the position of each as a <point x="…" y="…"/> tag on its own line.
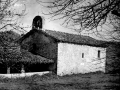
<point x="8" y="70"/>
<point x="22" y="69"/>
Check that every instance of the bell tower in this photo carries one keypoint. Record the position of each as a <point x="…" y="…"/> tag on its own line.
<point x="37" y="23"/>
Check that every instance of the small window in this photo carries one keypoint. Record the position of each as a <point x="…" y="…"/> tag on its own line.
<point x="82" y="55"/>
<point x="98" y="53"/>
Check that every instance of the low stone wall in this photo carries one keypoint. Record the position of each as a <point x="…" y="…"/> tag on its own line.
<point x="17" y="75"/>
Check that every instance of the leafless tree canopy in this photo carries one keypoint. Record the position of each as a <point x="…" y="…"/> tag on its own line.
<point x="87" y="14"/>
<point x="9" y="15"/>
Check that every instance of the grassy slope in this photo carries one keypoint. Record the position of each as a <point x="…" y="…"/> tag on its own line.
<point x="93" y="81"/>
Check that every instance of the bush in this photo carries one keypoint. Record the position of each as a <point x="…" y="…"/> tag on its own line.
<point x="4" y="79"/>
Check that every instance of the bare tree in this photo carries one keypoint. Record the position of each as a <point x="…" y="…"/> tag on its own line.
<point x="9" y="15"/>
<point x="114" y="20"/>
<point x="82" y="14"/>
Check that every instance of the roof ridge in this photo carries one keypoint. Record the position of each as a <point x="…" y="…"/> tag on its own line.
<point x="79" y="36"/>
<point x="64" y="32"/>
<point x="70" y="38"/>
<point x="71" y="34"/>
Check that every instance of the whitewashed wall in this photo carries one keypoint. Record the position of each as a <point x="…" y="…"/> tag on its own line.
<point x="19" y="75"/>
<point x="70" y="59"/>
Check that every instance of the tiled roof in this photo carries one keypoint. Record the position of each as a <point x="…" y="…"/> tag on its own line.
<point x="31" y="58"/>
<point x="70" y="38"/>
<point x="75" y="39"/>
<point x="26" y="57"/>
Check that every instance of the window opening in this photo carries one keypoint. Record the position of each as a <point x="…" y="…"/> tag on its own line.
<point x="98" y="53"/>
<point x="82" y="55"/>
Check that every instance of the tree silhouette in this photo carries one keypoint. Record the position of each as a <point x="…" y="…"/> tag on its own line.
<point x="83" y="14"/>
<point x="9" y="15"/>
<point x="9" y="51"/>
<point x="115" y="12"/>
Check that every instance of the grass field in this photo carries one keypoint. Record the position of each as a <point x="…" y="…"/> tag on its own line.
<point x="91" y="81"/>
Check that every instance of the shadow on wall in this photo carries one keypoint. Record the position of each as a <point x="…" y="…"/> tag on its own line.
<point x="17" y="68"/>
<point x="3" y="69"/>
<point x="113" y="59"/>
<point x="37" y="67"/>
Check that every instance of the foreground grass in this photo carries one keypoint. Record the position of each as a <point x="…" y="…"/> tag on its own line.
<point x="91" y="81"/>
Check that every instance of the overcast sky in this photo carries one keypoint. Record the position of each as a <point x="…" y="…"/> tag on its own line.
<point x="32" y="9"/>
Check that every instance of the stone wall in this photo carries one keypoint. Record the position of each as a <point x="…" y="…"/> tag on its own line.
<point x="113" y="59"/>
<point x="73" y="59"/>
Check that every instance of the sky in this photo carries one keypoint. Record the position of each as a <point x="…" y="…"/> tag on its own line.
<point x="33" y="9"/>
